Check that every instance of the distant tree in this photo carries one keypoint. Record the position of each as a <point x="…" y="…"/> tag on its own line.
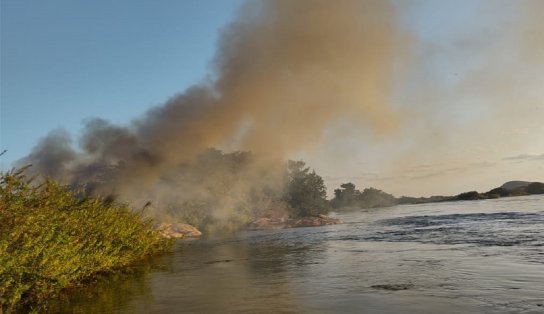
<point x="535" y="188"/>
<point x="497" y="192"/>
<point x="306" y="192"/>
<point x="345" y="196"/>
<point x="348" y="196"/>
<point x="423" y="200"/>
<point x="371" y="198"/>
<point x="468" y="196"/>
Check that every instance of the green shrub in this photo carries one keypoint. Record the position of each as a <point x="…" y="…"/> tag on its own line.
<point x="306" y="193"/>
<point x="53" y="239"/>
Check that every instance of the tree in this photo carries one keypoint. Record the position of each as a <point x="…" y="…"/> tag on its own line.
<point x="345" y="196"/>
<point x="348" y="196"/>
<point x="535" y="188"/>
<point x="372" y="198"/>
<point x="468" y="196"/>
<point x="497" y="192"/>
<point x="306" y="193"/>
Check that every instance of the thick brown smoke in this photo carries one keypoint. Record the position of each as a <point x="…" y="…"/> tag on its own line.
<point x="284" y="71"/>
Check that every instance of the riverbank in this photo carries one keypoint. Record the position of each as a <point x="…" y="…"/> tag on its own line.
<point x="52" y="240"/>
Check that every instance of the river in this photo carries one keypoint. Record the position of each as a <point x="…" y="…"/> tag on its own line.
<point x="460" y="257"/>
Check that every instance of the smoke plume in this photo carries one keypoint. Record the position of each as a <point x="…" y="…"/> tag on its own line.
<point x="284" y="71"/>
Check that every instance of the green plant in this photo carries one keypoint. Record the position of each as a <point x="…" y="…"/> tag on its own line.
<point x="52" y="239"/>
<point x="306" y="192"/>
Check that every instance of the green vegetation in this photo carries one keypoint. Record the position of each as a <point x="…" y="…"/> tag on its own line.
<point x="535" y="188"/>
<point x="53" y="239"/>
<point x="468" y="196"/>
<point x="348" y="196"/>
<point x="306" y="193"/>
<point x="345" y="196"/>
<point x="497" y="192"/>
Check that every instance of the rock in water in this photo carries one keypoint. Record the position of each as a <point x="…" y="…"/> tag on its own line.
<point x="282" y="223"/>
<point x="178" y="230"/>
<point x="268" y="224"/>
<point x="314" y="221"/>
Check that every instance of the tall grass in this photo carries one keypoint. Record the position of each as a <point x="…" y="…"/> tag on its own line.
<point x="53" y="239"/>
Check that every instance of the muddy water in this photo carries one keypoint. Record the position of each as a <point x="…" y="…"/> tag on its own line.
<point x="463" y="257"/>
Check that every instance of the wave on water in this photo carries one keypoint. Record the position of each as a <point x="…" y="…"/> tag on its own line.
<point x="483" y="229"/>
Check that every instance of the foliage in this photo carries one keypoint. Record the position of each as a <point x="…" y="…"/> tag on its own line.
<point x="469" y="196"/>
<point x="345" y="196"/>
<point x="52" y="239"/>
<point x="306" y="192"/>
<point x="348" y="196"/>
<point x="535" y="188"/>
<point x="497" y="192"/>
<point x="372" y="198"/>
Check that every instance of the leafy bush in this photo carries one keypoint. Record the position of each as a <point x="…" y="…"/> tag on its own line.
<point x="306" y="193"/>
<point x="53" y="239"/>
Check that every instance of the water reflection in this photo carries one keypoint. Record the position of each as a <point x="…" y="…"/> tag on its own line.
<point x="111" y="293"/>
<point x="220" y="277"/>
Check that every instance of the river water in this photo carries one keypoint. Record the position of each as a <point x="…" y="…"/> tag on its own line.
<point x="460" y="257"/>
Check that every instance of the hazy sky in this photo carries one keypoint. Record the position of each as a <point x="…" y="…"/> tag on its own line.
<point x="470" y="100"/>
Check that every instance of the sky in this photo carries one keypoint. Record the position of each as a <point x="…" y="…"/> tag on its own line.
<point x="469" y="100"/>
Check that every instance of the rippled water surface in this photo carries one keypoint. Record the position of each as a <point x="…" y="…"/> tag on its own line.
<point x="462" y="257"/>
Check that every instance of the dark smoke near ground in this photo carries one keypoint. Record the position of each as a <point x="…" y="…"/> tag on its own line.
<point x="284" y="72"/>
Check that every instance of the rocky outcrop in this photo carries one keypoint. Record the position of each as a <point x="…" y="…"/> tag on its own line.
<point x="314" y="221"/>
<point x="282" y="223"/>
<point x="268" y="224"/>
<point x="178" y="230"/>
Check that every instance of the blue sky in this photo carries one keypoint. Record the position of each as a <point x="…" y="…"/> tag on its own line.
<point x="63" y="62"/>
